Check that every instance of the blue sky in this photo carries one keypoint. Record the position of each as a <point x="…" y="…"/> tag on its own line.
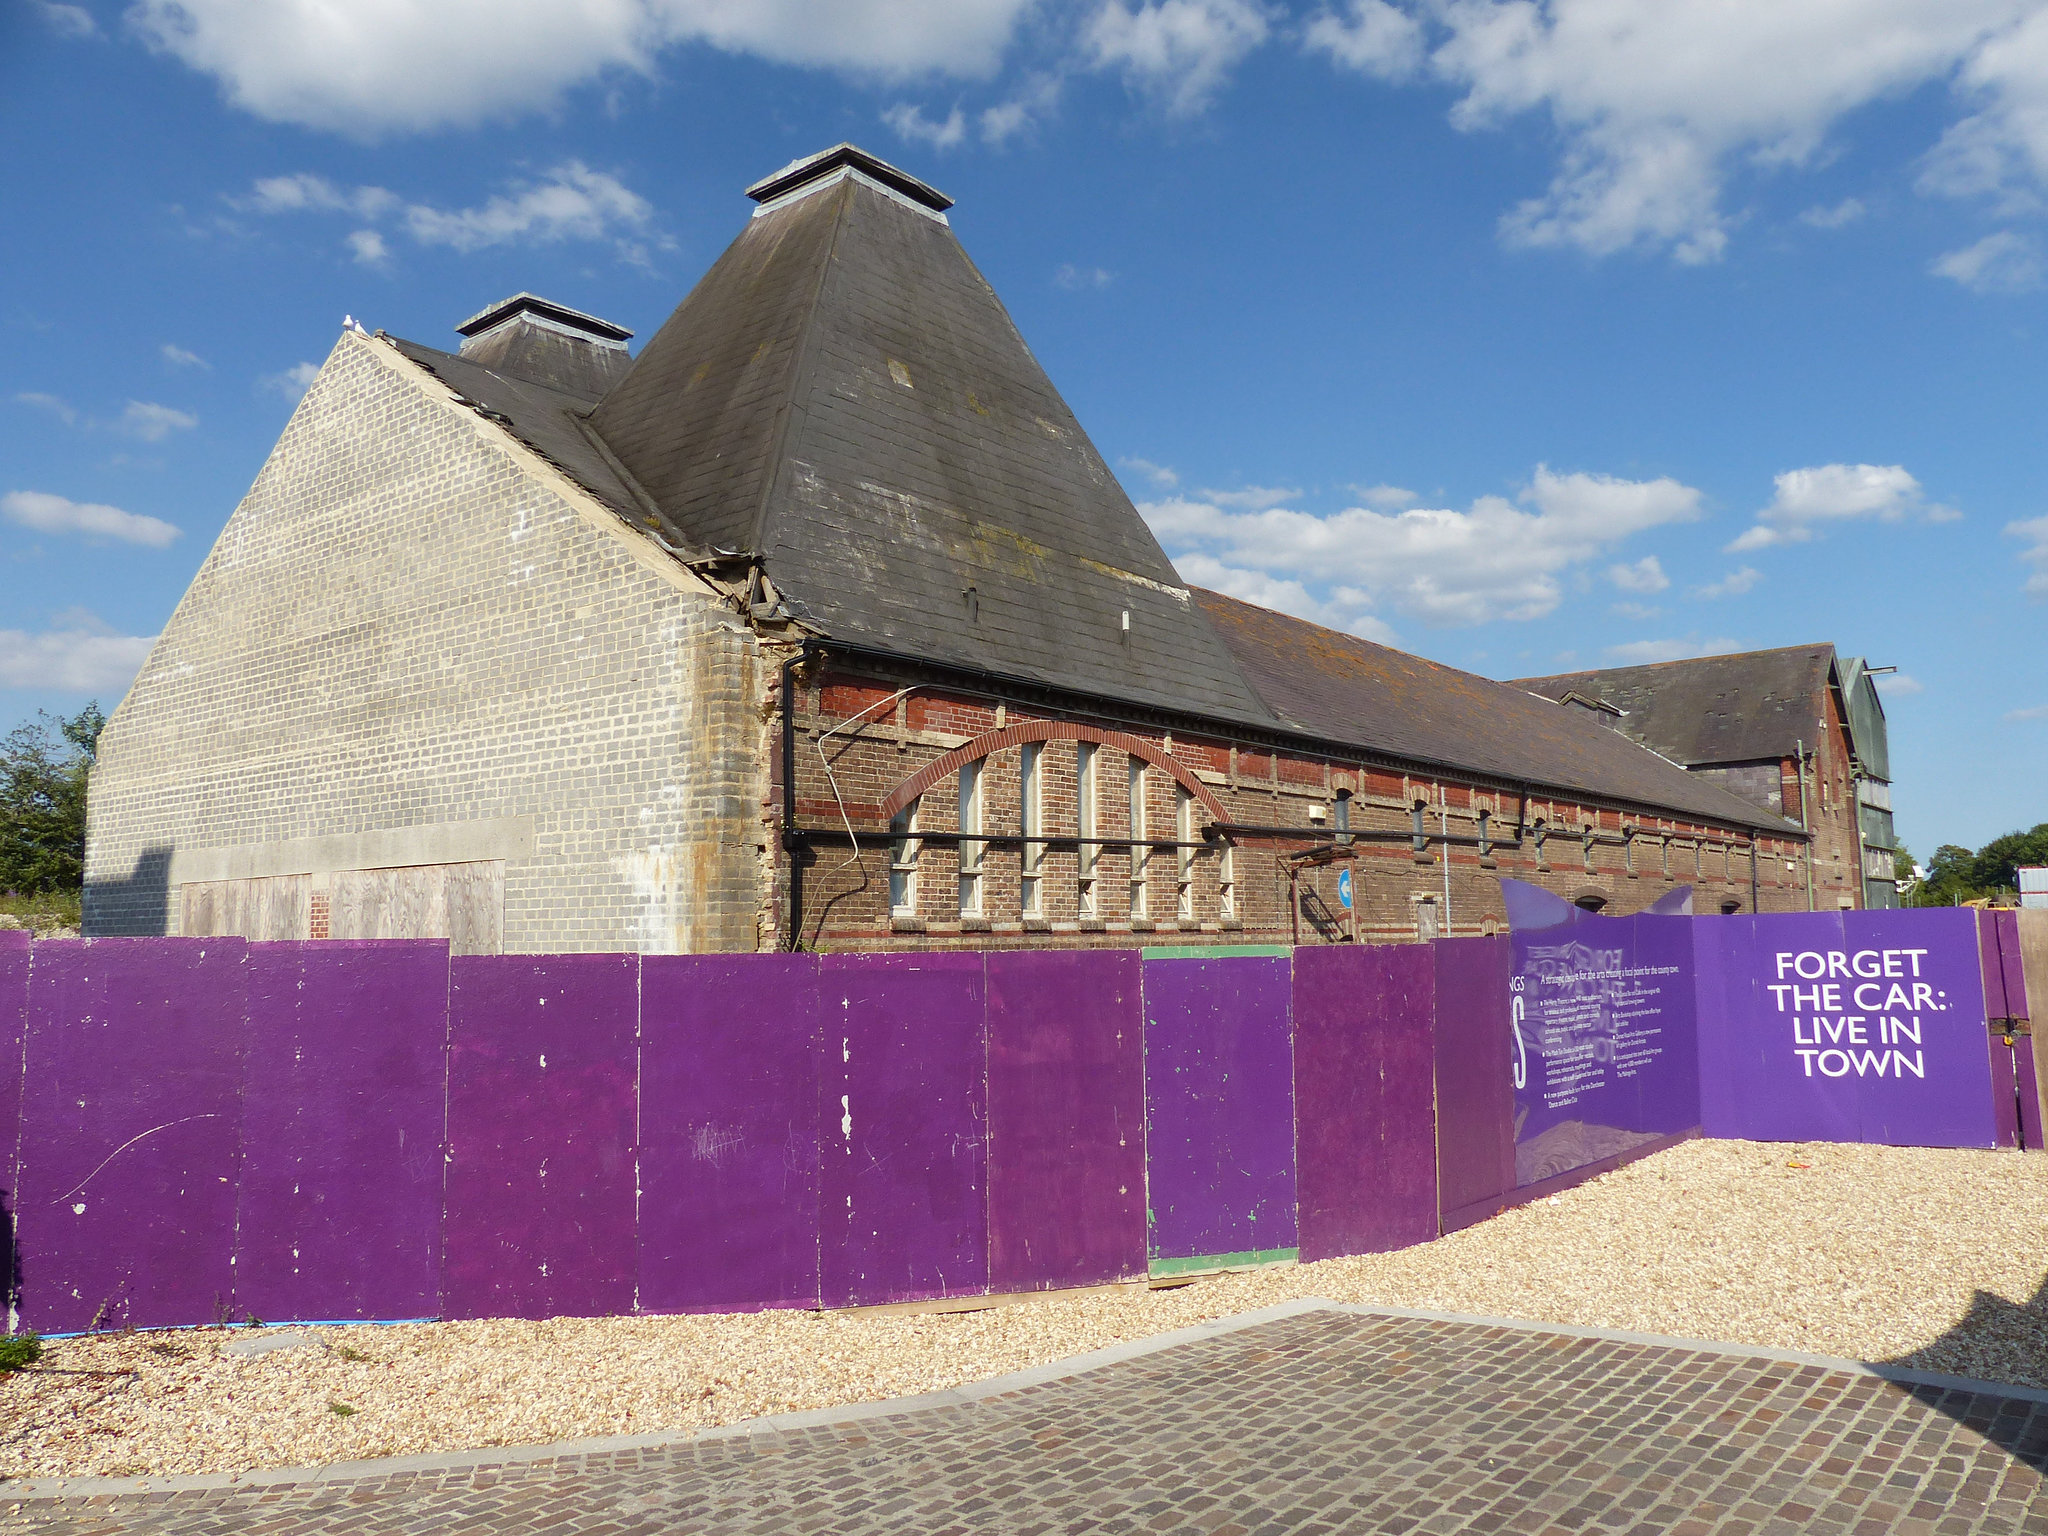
<point x="1525" y="334"/>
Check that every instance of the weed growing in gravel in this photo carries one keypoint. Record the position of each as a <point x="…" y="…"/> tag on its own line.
<point x="353" y="1356"/>
<point x="339" y="1409"/>
<point x="169" y="1351"/>
<point x="20" y="1350"/>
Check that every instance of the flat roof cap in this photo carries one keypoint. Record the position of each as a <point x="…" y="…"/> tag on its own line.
<point x="546" y="309"/>
<point x="812" y="167"/>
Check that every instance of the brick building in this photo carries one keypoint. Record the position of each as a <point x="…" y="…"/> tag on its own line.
<point x="1798" y="730"/>
<point x="818" y="622"/>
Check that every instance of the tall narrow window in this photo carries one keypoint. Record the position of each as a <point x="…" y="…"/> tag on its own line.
<point x="1419" y="831"/>
<point x="1086" y="772"/>
<point x="1628" y="850"/>
<point x="1184" y="855"/>
<point x="903" y="853"/>
<point x="970" y="852"/>
<point x="1486" y="834"/>
<point x="1539" y="834"/>
<point x="1586" y="836"/>
<point x="1141" y="856"/>
<point x="1031" y="794"/>
<point x="1664" y="856"/>
<point x="1226" y="883"/>
<point x="1342" y="817"/>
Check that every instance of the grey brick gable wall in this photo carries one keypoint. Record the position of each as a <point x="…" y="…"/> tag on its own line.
<point x="415" y="643"/>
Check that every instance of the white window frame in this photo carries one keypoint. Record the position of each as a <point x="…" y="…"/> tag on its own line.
<point x="1031" y="808"/>
<point x="1184" y="855"/>
<point x="1141" y="855"/>
<point x="970" y="852"/>
<point x="1226" y="881"/>
<point x="1087" y="776"/>
<point x="903" y="856"/>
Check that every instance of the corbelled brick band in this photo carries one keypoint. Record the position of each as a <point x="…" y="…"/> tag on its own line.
<point x="1047" y="730"/>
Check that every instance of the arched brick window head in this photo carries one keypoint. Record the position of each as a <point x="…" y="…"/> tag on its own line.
<point x="974" y="751"/>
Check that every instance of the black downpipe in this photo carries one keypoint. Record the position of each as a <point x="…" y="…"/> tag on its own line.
<point x="792" y="840"/>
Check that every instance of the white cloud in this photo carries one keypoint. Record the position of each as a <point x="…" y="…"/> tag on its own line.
<point x="54" y="404"/>
<point x="2005" y="262"/>
<point x="292" y="383"/>
<point x="1176" y="52"/>
<point x="1388" y="498"/>
<point x="1898" y="684"/>
<point x="914" y="127"/>
<point x="1370" y="36"/>
<point x="178" y="357"/>
<point x="1158" y="474"/>
<point x="2001" y="150"/>
<point x="1645" y="576"/>
<point x="67" y="20"/>
<point x="366" y="68"/>
<point x="2035" y="532"/>
<point x="2034" y="712"/>
<point x="1254" y="498"/>
<point x="1847" y="211"/>
<point x="1641" y="652"/>
<point x="1022" y="112"/>
<point x="1074" y="278"/>
<point x="1500" y="560"/>
<point x="1640" y="612"/>
<point x="1734" y="584"/>
<point x="569" y="202"/>
<point x="153" y="423"/>
<point x="54" y="514"/>
<point x="1656" y="104"/>
<point x="82" y="656"/>
<point x="1831" y="493"/>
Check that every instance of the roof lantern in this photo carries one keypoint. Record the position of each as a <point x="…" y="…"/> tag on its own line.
<point x="814" y="172"/>
<point x="547" y="314"/>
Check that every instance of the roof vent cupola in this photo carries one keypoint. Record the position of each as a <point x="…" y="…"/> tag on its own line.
<point x="831" y="166"/>
<point x="542" y="342"/>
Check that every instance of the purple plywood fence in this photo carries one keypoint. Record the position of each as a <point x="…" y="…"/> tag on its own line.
<point x="1365" y="1113"/>
<point x="1475" y="1094"/>
<point x="342" y="1130"/>
<point x="1849" y="1026"/>
<point x="729" y="1125"/>
<point x="904" y="1169"/>
<point x="1219" y="1102"/>
<point x="14" y="949"/>
<point x="130" y="1135"/>
<point x="1066" y="1119"/>
<point x="541" y="1085"/>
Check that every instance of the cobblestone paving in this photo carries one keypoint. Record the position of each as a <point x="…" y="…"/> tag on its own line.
<point x="1322" y="1422"/>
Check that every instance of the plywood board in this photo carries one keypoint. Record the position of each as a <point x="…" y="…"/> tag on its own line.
<point x="729" y="1125"/>
<point x="540" y="1174"/>
<point x="1066" y="1117"/>
<point x="1219" y="1107"/>
<point x="903" y="1128"/>
<point x="462" y="903"/>
<point x="272" y="908"/>
<point x="131" y="1127"/>
<point x="1365" y="1101"/>
<point x="343" y="1131"/>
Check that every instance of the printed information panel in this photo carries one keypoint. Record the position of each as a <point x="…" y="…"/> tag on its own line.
<point x="1605" y="1042"/>
<point x="1849" y="1026"/>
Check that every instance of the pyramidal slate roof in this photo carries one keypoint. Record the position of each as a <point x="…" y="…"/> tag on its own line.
<point x="1344" y="689"/>
<point x="1712" y="709"/>
<point x="845" y="395"/>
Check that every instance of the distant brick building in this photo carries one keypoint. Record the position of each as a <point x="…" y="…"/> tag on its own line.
<point x="820" y="622"/>
<point x="1798" y="730"/>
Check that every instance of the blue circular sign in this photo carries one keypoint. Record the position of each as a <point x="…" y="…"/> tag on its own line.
<point x="1344" y="888"/>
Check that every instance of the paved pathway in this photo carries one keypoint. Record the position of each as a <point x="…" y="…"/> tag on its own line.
<point x="1331" y="1420"/>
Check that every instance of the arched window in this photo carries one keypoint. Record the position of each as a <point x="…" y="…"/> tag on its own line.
<point x="1184" y="855"/>
<point x="1590" y="902"/>
<point x="1538" y="835"/>
<point x="1485" y="834"/>
<point x="1730" y="908"/>
<point x="903" y="851"/>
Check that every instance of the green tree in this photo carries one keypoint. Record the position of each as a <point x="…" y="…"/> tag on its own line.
<point x="1997" y="865"/>
<point x="1950" y="879"/>
<point x="44" y="766"/>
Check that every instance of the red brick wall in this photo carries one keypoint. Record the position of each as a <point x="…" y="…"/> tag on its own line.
<point x="1632" y="860"/>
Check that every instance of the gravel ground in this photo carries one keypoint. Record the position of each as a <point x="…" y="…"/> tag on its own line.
<point x="1930" y="1258"/>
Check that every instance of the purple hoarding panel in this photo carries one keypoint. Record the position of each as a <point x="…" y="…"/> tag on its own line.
<point x="1365" y="1114"/>
<point x="2005" y="1104"/>
<point x="1474" y="1072"/>
<point x="1219" y="1099"/>
<point x="13" y="1024"/>
<point x="729" y="1054"/>
<point x="903" y="1128"/>
<point x="1849" y="1026"/>
<point x="1066" y="1119"/>
<point x="1606" y="1047"/>
<point x="2029" y="1095"/>
<point x="541" y="1076"/>
<point x="1990" y="968"/>
<point x="342" y="1131"/>
<point x="131" y="1123"/>
<point x="2010" y="963"/>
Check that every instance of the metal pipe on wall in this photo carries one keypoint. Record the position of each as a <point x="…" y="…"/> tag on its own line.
<point x="1805" y="818"/>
